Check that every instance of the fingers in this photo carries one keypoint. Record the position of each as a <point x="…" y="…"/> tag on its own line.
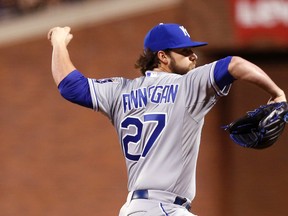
<point x="65" y="29"/>
<point x="60" y="34"/>
<point x="49" y="35"/>
<point x="69" y="38"/>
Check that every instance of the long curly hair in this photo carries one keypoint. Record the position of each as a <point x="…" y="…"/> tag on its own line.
<point x="148" y="60"/>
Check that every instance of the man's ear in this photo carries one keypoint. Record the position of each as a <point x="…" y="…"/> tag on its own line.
<point x="163" y="57"/>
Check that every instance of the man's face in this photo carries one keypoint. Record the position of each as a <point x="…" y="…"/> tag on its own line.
<point x="182" y="60"/>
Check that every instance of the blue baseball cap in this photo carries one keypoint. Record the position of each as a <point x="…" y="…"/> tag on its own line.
<point x="169" y="36"/>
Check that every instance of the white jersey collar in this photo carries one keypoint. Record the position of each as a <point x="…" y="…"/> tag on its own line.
<point x="154" y="73"/>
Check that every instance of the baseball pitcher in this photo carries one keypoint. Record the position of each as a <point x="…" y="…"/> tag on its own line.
<point x="158" y="116"/>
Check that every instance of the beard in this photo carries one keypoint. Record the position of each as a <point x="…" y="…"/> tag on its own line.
<point x="180" y="70"/>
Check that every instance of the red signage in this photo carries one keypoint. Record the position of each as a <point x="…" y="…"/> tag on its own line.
<point x="261" y="21"/>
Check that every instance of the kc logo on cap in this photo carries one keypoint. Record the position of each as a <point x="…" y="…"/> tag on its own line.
<point x="184" y="31"/>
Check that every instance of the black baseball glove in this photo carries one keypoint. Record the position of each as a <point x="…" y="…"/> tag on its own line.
<point x="260" y="128"/>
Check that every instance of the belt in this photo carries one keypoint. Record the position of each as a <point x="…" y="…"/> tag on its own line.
<point x="144" y="194"/>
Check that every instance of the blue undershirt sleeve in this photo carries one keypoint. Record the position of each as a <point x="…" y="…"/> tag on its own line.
<point x="221" y="74"/>
<point x="75" y="88"/>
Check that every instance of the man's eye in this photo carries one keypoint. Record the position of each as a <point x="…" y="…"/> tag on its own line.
<point x="186" y="52"/>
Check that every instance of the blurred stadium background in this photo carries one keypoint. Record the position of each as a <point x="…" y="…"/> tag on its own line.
<point x="59" y="159"/>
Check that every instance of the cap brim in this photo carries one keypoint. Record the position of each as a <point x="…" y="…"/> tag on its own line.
<point x="190" y="44"/>
<point x="197" y="44"/>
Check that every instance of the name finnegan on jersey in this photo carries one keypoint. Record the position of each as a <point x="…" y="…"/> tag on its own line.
<point x="138" y="98"/>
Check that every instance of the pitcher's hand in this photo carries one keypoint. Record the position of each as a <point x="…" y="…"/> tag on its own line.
<point x="60" y="35"/>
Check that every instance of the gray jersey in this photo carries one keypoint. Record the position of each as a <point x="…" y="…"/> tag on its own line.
<point x="159" y="118"/>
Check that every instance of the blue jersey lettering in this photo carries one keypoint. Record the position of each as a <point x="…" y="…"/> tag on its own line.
<point x="138" y="98"/>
